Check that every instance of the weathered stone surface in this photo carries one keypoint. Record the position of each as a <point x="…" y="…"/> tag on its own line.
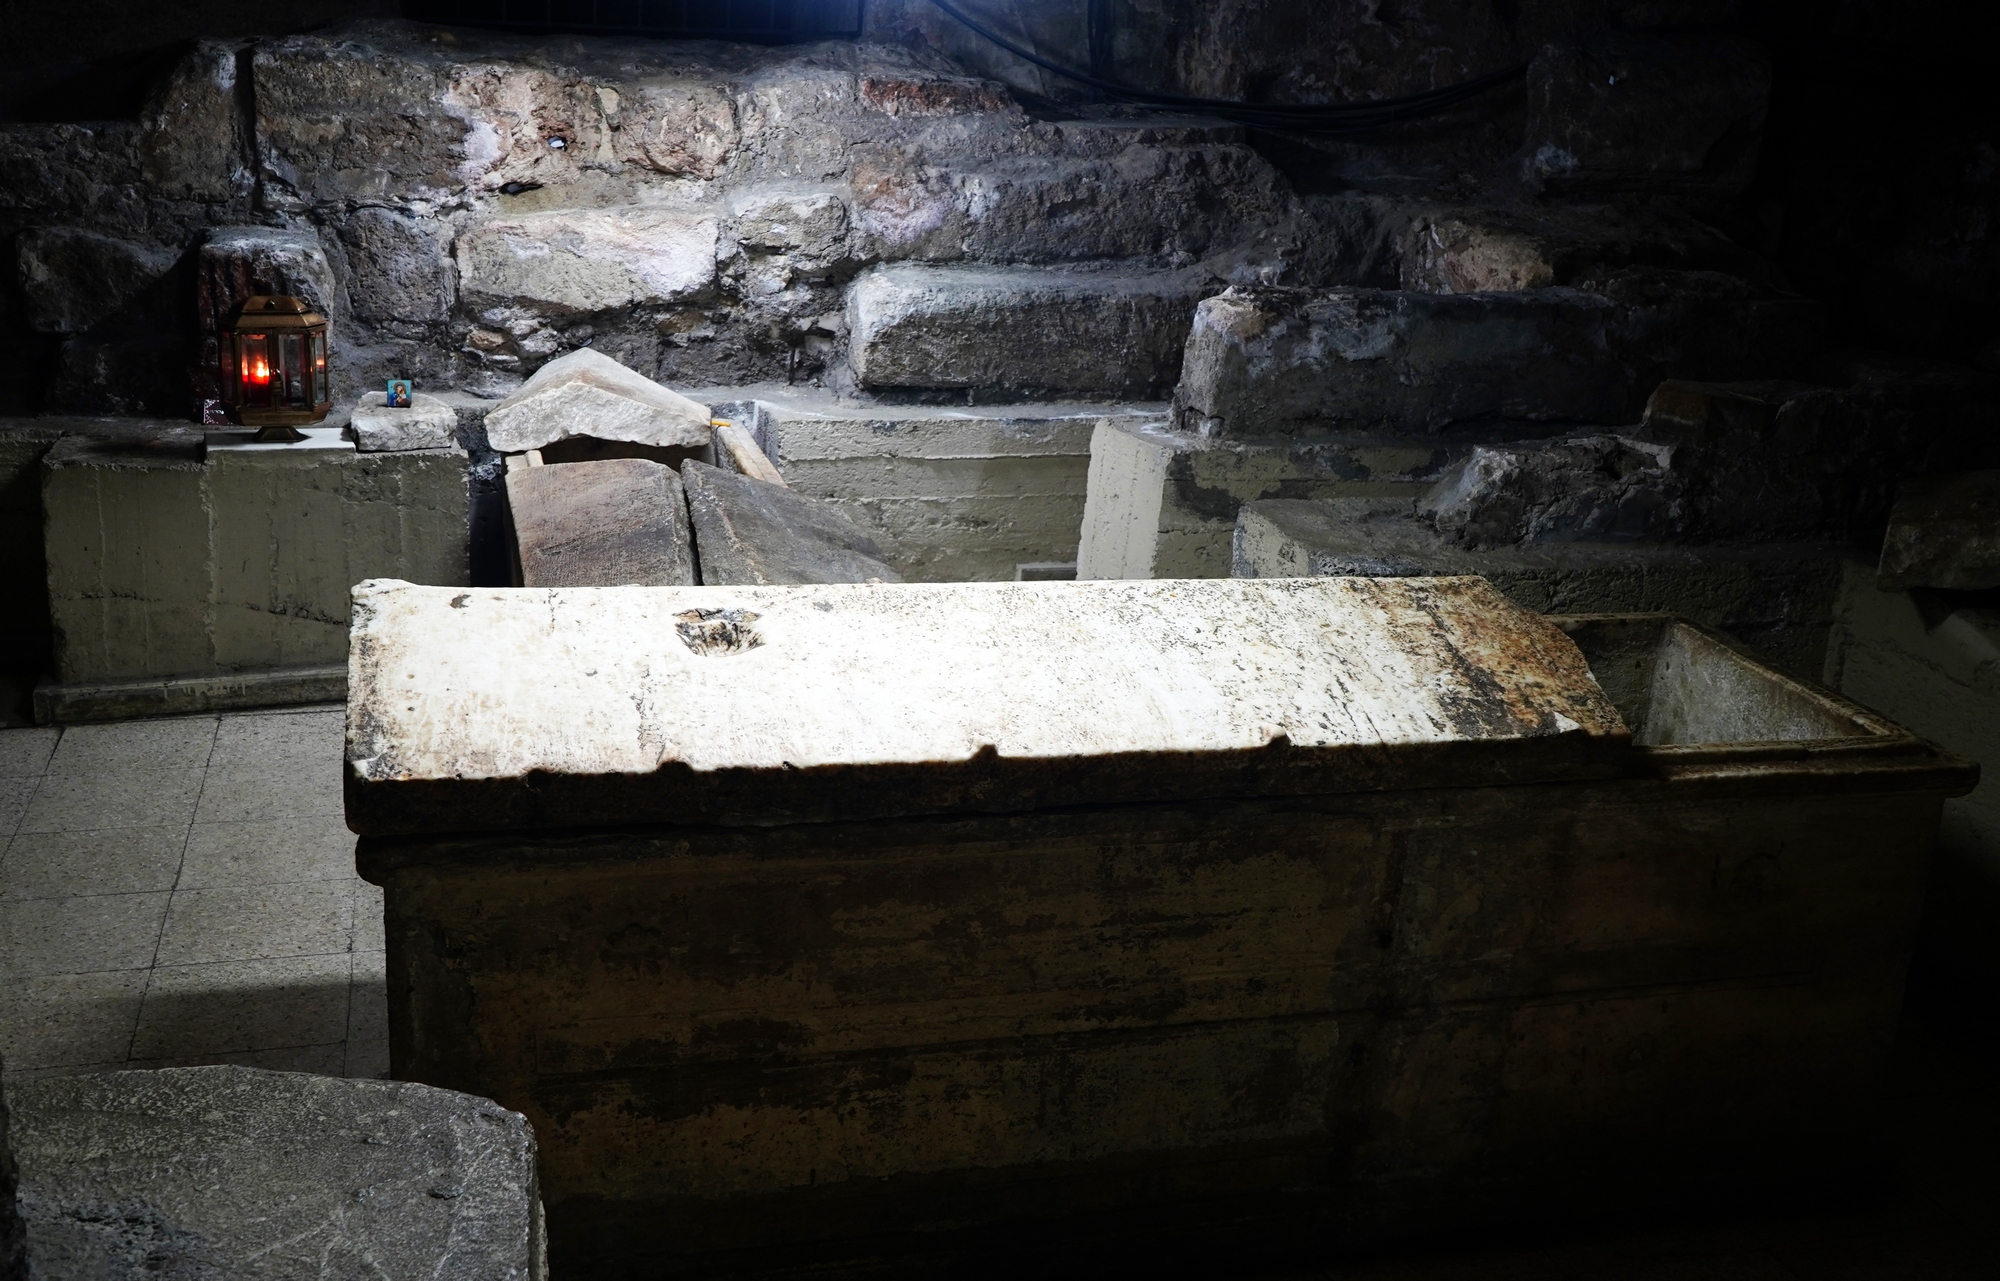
<point x="1672" y="115"/>
<point x="1776" y="597"/>
<point x="1456" y="250"/>
<point x="192" y="143"/>
<point x="900" y="698"/>
<point x="398" y="270"/>
<point x="608" y="523"/>
<point x="581" y="261"/>
<point x="1578" y="489"/>
<point x="426" y="423"/>
<point x="13" y="1231"/>
<point x="749" y="533"/>
<point x="272" y="1176"/>
<point x="71" y="279"/>
<point x="1020" y="329"/>
<point x="809" y="229"/>
<point x="1944" y="532"/>
<point x="235" y="263"/>
<point x="586" y="393"/>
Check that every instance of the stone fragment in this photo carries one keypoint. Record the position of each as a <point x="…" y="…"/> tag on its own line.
<point x="580" y="261"/>
<point x="427" y="422"/>
<point x="1020" y="329"/>
<point x="1944" y="532"/>
<point x="586" y="393"/>
<point x="191" y="143"/>
<point x="811" y="230"/>
<point x="266" y="1176"/>
<point x="1678" y="115"/>
<point x="72" y="279"/>
<point x="1776" y="597"/>
<point x="749" y="533"/>
<point x="607" y="523"/>
<point x="1579" y="489"/>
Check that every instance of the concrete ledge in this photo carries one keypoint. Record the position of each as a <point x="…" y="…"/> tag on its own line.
<point x="184" y="695"/>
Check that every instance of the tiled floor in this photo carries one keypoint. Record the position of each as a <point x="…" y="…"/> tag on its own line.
<point x="183" y="891"/>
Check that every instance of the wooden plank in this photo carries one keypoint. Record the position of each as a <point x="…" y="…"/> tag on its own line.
<point x="743" y="451"/>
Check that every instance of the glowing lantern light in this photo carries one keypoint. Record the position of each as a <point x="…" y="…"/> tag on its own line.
<point x="274" y="373"/>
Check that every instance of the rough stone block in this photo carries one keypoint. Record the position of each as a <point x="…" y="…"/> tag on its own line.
<point x="71" y="278"/>
<point x="1578" y="489"/>
<point x="191" y="143"/>
<point x="586" y="393"/>
<point x="601" y="524"/>
<point x="427" y="422"/>
<point x="1776" y="597"/>
<point x="747" y="532"/>
<point x="399" y="270"/>
<point x="270" y="1176"/>
<point x="582" y="261"/>
<point x="1944" y="532"/>
<point x="1020" y="329"/>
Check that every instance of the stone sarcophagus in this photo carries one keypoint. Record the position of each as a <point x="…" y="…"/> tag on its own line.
<point x="864" y="923"/>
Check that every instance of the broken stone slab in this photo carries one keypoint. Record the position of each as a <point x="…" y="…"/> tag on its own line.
<point x="626" y="705"/>
<point x="749" y="532"/>
<point x="587" y="393"/>
<point x="272" y="1176"/>
<point x="1944" y="533"/>
<point x="1598" y="488"/>
<point x="427" y="422"/>
<point x="600" y="524"/>
<point x="1020" y="329"/>
<point x="1775" y="597"/>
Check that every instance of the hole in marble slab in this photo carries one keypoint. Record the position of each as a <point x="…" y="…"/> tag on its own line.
<point x="713" y="632"/>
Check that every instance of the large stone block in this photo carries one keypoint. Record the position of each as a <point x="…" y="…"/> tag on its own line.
<point x="586" y="393"/>
<point x="1776" y="597"/>
<point x="71" y="279"/>
<point x="1598" y="488"/>
<point x="192" y="143"/>
<point x="399" y="271"/>
<point x="582" y="261"/>
<point x="1944" y="532"/>
<point x="1020" y="329"/>
<point x="747" y="532"/>
<point x="272" y="1176"/>
<point x="607" y="523"/>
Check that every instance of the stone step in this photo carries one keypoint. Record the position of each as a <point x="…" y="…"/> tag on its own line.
<point x="1021" y="331"/>
<point x="1775" y="597"/>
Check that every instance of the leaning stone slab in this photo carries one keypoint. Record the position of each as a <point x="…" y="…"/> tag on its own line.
<point x="750" y="532"/>
<point x="635" y="705"/>
<point x="1944" y="532"/>
<point x="272" y="1176"/>
<point x="427" y="422"/>
<point x="587" y="393"/>
<point x="600" y="524"/>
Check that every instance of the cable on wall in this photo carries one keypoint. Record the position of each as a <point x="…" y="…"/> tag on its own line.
<point x="1319" y="118"/>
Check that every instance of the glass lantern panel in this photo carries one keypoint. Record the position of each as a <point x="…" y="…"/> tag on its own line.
<point x="319" y="368"/>
<point x="294" y="365"/>
<point x="253" y="363"/>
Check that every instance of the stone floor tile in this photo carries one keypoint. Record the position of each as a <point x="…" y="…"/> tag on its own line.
<point x="243" y="1005"/>
<point x="176" y="743"/>
<point x="368" y="935"/>
<point x="368" y="1018"/>
<point x="321" y="1060"/>
<point x="258" y="922"/>
<point x="69" y="1020"/>
<point x="315" y="847"/>
<point x="118" y="860"/>
<point x="14" y="794"/>
<point x="98" y="799"/>
<point x="85" y="934"/>
<point x="25" y="752"/>
<point x="305" y="737"/>
<point x="271" y="789"/>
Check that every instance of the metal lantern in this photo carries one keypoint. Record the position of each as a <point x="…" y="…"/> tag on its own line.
<point x="274" y="371"/>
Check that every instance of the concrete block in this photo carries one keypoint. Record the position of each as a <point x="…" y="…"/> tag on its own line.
<point x="1776" y="598"/>
<point x="1019" y="329"/>
<point x="601" y="524"/>
<point x="266" y="1176"/>
<point x="587" y="393"/>
<point x="750" y="533"/>
<point x="427" y="422"/>
<point x="1944" y="532"/>
<point x="1162" y="503"/>
<point x="951" y="495"/>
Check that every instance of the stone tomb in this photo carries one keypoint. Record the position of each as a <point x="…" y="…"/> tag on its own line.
<point x="811" y="925"/>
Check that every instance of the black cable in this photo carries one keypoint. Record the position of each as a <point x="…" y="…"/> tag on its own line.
<point x="1333" y="117"/>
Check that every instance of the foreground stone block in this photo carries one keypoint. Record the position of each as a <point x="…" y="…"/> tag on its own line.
<point x="747" y="532"/>
<point x="1778" y="598"/>
<point x="1944" y="532"/>
<point x="1020" y="329"/>
<point x="587" y="393"/>
<point x="601" y="524"/>
<point x="1217" y="842"/>
<point x="427" y="422"/>
<point x="270" y="1176"/>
